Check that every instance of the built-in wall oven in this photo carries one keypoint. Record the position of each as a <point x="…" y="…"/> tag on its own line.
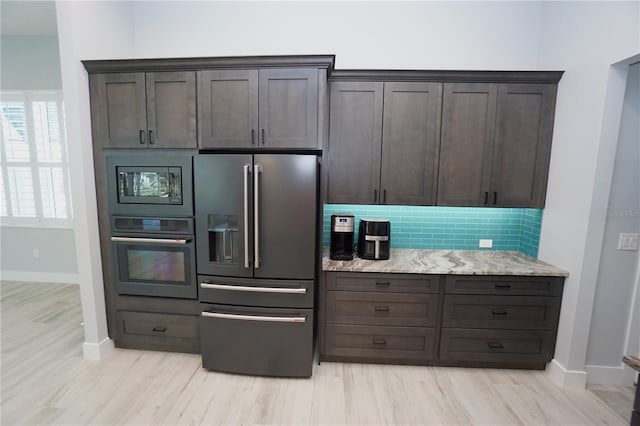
<point x="152" y="224"/>
<point x="154" y="256"/>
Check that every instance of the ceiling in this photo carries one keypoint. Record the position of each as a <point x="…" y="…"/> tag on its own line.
<point x="26" y="18"/>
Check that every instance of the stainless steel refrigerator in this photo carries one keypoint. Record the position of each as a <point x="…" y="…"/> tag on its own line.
<point x="256" y="233"/>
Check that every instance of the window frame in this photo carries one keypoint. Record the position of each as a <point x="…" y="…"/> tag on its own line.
<point x="29" y="97"/>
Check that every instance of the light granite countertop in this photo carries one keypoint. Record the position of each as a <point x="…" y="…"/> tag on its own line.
<point x="456" y="262"/>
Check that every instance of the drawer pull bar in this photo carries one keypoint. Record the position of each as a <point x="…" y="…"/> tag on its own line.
<point x="495" y="345"/>
<point x="159" y="329"/>
<point x="383" y="283"/>
<point x="150" y="240"/>
<point x="382" y="309"/>
<point x="254" y="317"/>
<point x="499" y="312"/>
<point x="254" y="289"/>
<point x="504" y="286"/>
<point x="379" y="342"/>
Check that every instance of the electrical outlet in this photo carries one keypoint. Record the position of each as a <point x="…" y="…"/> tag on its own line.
<point x="628" y="242"/>
<point x="36" y="253"/>
<point x="486" y="243"/>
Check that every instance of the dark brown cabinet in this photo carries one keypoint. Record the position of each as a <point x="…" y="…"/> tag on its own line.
<point x="495" y="144"/>
<point x="384" y="152"/>
<point x="462" y="320"/>
<point x="258" y="108"/>
<point x="144" y="110"/>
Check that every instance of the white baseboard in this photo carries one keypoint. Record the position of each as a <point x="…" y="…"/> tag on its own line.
<point x="564" y="378"/>
<point x="39" y="277"/>
<point x="605" y="375"/>
<point x="97" y="351"/>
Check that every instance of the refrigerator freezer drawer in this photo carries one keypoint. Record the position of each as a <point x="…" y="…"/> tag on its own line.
<point x="254" y="292"/>
<point x="261" y="341"/>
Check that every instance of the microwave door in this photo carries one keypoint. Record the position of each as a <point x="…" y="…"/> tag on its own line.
<point x="223" y="204"/>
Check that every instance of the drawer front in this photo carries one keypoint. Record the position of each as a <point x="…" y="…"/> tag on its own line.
<point x="252" y="292"/>
<point x="380" y="342"/>
<point x="497" y="345"/>
<point x="262" y="341"/>
<point x="503" y="312"/>
<point x="388" y="283"/>
<point x="159" y="331"/>
<point x="505" y="285"/>
<point x="394" y="309"/>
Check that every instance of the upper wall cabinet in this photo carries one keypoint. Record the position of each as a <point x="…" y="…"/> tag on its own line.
<point x="384" y="151"/>
<point x="144" y="110"/>
<point x="265" y="108"/>
<point x="495" y="144"/>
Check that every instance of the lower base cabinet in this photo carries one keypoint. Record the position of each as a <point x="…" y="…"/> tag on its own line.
<point x="458" y="320"/>
<point x="156" y="331"/>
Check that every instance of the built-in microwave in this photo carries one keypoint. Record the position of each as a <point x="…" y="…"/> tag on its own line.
<point x="152" y="185"/>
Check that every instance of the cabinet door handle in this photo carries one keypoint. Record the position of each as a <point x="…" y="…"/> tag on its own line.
<point x="253" y="136"/>
<point x="379" y="342"/>
<point x="262" y="136"/>
<point x="502" y="286"/>
<point x="142" y="141"/>
<point x="495" y="345"/>
<point x="381" y="309"/>
<point x="151" y="142"/>
<point x="375" y="195"/>
<point x="486" y="198"/>
<point x="496" y="312"/>
<point x="384" y="196"/>
<point x="159" y="329"/>
<point x="383" y="283"/>
<point x="495" y="198"/>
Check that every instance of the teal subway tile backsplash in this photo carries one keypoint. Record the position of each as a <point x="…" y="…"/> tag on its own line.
<point x="450" y="227"/>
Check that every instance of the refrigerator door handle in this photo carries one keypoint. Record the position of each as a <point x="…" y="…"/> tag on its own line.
<point x="256" y="216"/>
<point x="246" y="168"/>
<point x="300" y="319"/>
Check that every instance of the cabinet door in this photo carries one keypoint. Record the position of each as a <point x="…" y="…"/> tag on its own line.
<point x="171" y="109"/>
<point x="118" y="110"/>
<point x="468" y="123"/>
<point x="228" y="108"/>
<point x="411" y="132"/>
<point x="355" y="138"/>
<point x="288" y="102"/>
<point x="524" y="125"/>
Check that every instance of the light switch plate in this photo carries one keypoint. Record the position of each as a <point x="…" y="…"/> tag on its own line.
<point x="486" y="243"/>
<point x="628" y="241"/>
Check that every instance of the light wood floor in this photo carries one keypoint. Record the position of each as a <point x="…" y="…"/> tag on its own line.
<point x="45" y="380"/>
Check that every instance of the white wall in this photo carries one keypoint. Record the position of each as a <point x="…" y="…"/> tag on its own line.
<point x="617" y="272"/>
<point x="584" y="39"/>
<point x="88" y="30"/>
<point x="430" y="35"/>
<point x="29" y="63"/>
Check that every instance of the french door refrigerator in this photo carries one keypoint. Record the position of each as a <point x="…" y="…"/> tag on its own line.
<point x="256" y="231"/>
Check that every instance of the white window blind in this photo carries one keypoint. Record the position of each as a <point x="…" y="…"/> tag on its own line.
<point x="34" y="174"/>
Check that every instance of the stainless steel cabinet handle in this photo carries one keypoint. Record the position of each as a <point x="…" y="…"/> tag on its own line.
<point x="246" y="168"/>
<point x="142" y="141"/>
<point x="253" y="136"/>
<point x="254" y="317"/>
<point x="151" y="137"/>
<point x="150" y="240"/>
<point x="255" y="289"/>
<point x="262" y="136"/>
<point x="256" y="216"/>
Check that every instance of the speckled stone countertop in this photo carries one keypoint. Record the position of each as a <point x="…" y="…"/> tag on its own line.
<point x="457" y="262"/>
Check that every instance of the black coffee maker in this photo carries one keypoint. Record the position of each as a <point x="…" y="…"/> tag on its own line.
<point x="374" y="239"/>
<point x="342" y="226"/>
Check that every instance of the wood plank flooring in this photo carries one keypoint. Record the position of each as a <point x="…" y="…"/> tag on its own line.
<point x="45" y="380"/>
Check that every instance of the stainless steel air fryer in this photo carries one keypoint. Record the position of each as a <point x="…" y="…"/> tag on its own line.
<point x="342" y="227"/>
<point x="374" y="238"/>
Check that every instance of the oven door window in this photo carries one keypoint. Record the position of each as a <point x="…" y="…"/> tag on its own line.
<point x="154" y="264"/>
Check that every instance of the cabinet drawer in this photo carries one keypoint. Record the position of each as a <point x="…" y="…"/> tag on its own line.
<point x="380" y="342"/>
<point x="369" y="308"/>
<point x="497" y="345"/>
<point x="389" y="283"/>
<point x="146" y="330"/>
<point x="524" y="286"/>
<point x="504" y="312"/>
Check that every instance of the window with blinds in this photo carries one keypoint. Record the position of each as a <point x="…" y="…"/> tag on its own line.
<point x="34" y="175"/>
